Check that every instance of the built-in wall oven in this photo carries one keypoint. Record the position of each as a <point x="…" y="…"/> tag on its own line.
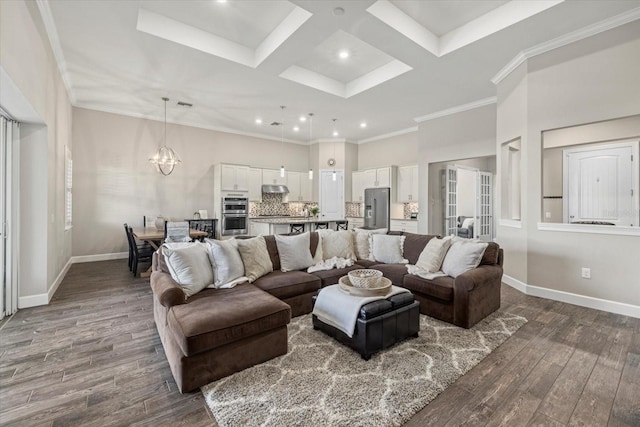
<point x="235" y="214"/>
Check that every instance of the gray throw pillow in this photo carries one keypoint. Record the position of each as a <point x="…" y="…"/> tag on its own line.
<point x="228" y="269"/>
<point x="294" y="251"/>
<point x="463" y="255"/>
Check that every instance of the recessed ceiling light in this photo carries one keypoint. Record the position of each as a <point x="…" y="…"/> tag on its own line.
<point x="363" y="125"/>
<point x="343" y="54"/>
<point x="303" y="119"/>
<point x="221" y="1"/>
<point x="296" y="128"/>
<point x="258" y="121"/>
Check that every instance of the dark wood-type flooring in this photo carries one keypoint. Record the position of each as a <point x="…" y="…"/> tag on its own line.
<point x="93" y="357"/>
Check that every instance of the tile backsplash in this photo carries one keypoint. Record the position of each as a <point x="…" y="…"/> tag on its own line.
<point x="352" y="209"/>
<point x="408" y="208"/>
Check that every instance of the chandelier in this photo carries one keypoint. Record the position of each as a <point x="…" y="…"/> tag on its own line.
<point x="165" y="159"/>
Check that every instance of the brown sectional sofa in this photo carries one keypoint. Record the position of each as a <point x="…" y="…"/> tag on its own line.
<point x="221" y="331"/>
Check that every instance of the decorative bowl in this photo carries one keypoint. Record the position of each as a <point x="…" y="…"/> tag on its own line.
<point x="365" y="278"/>
<point x="383" y="289"/>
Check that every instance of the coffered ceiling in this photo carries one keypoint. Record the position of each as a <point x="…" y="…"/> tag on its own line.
<point x="240" y="60"/>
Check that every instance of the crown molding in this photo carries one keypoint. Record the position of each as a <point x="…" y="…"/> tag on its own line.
<point x="457" y="109"/>
<point x="56" y="47"/>
<point x="388" y="135"/>
<point x="572" y="37"/>
<point x="189" y="124"/>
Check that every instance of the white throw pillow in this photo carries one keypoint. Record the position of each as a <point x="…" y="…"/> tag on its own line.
<point x="338" y="244"/>
<point x="431" y="257"/>
<point x="189" y="267"/>
<point x="388" y="248"/>
<point x="361" y="242"/>
<point x="294" y="251"/>
<point x="463" y="255"/>
<point x="467" y="222"/>
<point x="228" y="269"/>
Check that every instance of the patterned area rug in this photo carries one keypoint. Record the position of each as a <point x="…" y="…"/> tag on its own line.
<point x="323" y="383"/>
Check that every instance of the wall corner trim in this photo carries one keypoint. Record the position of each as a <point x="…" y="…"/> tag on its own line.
<point x="457" y="109"/>
<point x="575" y="299"/>
<point x="572" y="37"/>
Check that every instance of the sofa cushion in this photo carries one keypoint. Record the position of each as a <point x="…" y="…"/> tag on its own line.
<point x="290" y="284"/>
<point x="440" y="287"/>
<point x="490" y="255"/>
<point x="331" y="277"/>
<point x="228" y="269"/>
<point x="216" y="317"/>
<point x="366" y="263"/>
<point x="463" y="255"/>
<point x="431" y="258"/>
<point x="393" y="272"/>
<point x="190" y="267"/>
<point x="414" y="244"/>
<point x="337" y="244"/>
<point x="272" y="248"/>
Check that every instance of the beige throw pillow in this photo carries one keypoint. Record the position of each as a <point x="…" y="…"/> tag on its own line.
<point x="255" y="257"/>
<point x="431" y="258"/>
<point x="361" y="242"/>
<point x="294" y="251"/>
<point x="189" y="266"/>
<point x="337" y="244"/>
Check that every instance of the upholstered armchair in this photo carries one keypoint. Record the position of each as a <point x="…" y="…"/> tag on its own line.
<point x="465" y="227"/>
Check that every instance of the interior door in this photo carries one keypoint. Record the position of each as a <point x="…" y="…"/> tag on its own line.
<point x="600" y="185"/>
<point x="451" y="201"/>
<point x="331" y="195"/>
<point x="483" y="229"/>
<point x="3" y="196"/>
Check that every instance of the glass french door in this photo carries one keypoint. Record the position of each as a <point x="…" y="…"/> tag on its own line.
<point x="451" y="198"/>
<point x="8" y="216"/>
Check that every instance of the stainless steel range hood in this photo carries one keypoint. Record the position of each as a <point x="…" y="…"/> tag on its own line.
<point x="275" y="189"/>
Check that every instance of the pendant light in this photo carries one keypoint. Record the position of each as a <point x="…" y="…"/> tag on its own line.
<point x="282" y="107"/>
<point x="310" y="139"/>
<point x="335" y="133"/>
<point x="165" y="159"/>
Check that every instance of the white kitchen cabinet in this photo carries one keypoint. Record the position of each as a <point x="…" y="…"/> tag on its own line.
<point x="408" y="184"/>
<point x="234" y="178"/>
<point x="272" y="177"/>
<point x="357" y="187"/>
<point x="299" y="186"/>
<point x="404" y="225"/>
<point x="369" y="179"/>
<point x="255" y="185"/>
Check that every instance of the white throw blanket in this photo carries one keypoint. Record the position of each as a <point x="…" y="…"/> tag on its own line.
<point x="340" y="310"/>
<point x="412" y="269"/>
<point x="331" y="263"/>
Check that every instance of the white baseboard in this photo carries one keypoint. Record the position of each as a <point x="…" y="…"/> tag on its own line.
<point x="571" y="298"/>
<point x="44" y="299"/>
<point x="99" y="257"/>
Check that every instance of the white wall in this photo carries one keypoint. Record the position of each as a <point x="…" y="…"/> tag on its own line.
<point x="588" y="81"/>
<point x="397" y="150"/>
<point x="114" y="182"/>
<point x="445" y="139"/>
<point x="27" y="59"/>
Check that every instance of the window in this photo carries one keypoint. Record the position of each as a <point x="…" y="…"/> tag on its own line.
<point x="510" y="159"/>
<point x="68" y="184"/>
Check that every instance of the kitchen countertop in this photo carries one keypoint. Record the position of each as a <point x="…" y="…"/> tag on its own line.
<point x="290" y="220"/>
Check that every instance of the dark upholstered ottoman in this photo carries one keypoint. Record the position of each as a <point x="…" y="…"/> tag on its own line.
<point x="379" y="325"/>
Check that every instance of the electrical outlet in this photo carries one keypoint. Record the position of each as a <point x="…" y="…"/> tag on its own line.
<point x="547" y="215"/>
<point x="586" y="273"/>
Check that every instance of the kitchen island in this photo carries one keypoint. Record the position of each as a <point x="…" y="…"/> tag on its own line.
<point x="281" y="225"/>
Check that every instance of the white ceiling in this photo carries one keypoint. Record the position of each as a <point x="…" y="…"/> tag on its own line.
<point x="240" y="60"/>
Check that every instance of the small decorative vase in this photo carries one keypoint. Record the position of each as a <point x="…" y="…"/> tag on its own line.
<point x="160" y="222"/>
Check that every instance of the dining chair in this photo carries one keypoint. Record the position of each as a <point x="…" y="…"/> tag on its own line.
<point x="177" y="231"/>
<point x="296" y="228"/>
<point x="342" y="225"/>
<point x="138" y="253"/>
<point x="322" y="225"/>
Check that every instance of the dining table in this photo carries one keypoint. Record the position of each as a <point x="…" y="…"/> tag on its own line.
<point x="154" y="238"/>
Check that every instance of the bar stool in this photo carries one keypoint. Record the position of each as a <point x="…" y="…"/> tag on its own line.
<point x="296" y="228"/>
<point x="342" y="225"/>
<point x="322" y="225"/>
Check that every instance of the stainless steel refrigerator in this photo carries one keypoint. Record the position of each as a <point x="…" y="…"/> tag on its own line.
<point x="377" y="207"/>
